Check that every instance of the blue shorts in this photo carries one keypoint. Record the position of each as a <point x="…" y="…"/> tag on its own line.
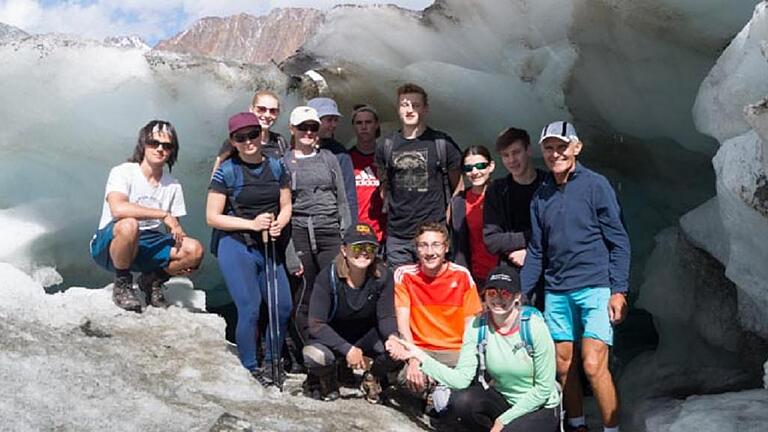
<point x="154" y="250"/>
<point x="579" y="313"/>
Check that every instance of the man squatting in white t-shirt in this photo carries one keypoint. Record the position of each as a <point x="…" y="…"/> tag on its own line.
<point x="139" y="199"/>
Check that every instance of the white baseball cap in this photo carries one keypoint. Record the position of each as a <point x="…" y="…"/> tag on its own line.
<point x="324" y="106"/>
<point x="562" y="130"/>
<point x="300" y="114"/>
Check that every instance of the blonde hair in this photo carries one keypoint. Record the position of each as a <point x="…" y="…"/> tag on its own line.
<point x="262" y="93"/>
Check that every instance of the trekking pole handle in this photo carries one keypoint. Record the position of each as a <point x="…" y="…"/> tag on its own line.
<point x="265" y="233"/>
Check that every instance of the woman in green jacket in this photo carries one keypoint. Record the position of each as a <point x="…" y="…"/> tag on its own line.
<point x="523" y="395"/>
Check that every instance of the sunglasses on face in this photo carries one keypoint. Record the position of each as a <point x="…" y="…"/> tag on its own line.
<point x="480" y="166"/>
<point x="492" y="293"/>
<point x="308" y="127"/>
<point x="360" y="248"/>
<point x="245" y="136"/>
<point x="153" y="144"/>
<point x="262" y="109"/>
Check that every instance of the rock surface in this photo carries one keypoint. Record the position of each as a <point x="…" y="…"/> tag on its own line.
<point x="247" y="38"/>
<point x="74" y="361"/>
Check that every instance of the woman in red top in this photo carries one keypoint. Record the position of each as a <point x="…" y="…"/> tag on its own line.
<point x="467" y="215"/>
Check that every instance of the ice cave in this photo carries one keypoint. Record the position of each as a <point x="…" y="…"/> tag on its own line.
<point x="670" y="97"/>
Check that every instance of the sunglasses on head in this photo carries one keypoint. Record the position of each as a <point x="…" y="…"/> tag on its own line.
<point x="153" y="144"/>
<point x="493" y="293"/>
<point x="357" y="249"/>
<point x="480" y="165"/>
<point x="308" y="127"/>
<point x="262" y="109"/>
<point x="241" y="137"/>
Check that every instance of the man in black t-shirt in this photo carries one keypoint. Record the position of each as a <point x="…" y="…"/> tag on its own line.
<point x="506" y="213"/>
<point x="419" y="170"/>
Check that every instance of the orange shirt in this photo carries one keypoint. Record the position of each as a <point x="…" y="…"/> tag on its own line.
<point x="438" y="306"/>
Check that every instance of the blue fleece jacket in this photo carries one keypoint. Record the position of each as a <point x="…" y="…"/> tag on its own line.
<point x="578" y="239"/>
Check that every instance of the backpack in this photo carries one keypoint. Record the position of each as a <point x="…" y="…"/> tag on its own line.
<point x="232" y="177"/>
<point x="526" y="312"/>
<point x="442" y="165"/>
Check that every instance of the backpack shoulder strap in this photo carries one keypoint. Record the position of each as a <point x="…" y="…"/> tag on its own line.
<point x="442" y="165"/>
<point x="525" y="327"/>
<point x="282" y="144"/>
<point x="442" y="162"/>
<point x="334" y="293"/>
<point x="482" y="341"/>
<point x="387" y="150"/>
<point x="276" y="166"/>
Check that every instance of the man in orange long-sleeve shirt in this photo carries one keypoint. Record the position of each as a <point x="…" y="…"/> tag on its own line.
<point x="434" y="300"/>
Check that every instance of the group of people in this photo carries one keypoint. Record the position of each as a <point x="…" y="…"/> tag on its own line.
<point x="482" y="298"/>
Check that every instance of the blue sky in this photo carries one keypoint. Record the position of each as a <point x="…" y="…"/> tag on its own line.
<point x="151" y="19"/>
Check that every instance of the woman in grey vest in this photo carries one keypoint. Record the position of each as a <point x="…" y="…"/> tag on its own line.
<point x="320" y="209"/>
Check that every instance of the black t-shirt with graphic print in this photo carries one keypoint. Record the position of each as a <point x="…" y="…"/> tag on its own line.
<point x="415" y="182"/>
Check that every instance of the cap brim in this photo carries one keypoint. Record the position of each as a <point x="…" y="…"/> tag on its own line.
<point x="374" y="242"/>
<point x="560" y="137"/>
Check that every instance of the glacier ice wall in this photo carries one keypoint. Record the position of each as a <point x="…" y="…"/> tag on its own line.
<point x="731" y="106"/>
<point x="72" y="109"/>
<point x="712" y="332"/>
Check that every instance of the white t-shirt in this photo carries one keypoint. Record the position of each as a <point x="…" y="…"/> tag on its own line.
<point x="128" y="179"/>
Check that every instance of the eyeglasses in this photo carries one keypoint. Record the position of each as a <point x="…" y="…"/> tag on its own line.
<point x="245" y="136"/>
<point x="262" y="109"/>
<point x="480" y="166"/>
<point x="153" y="144"/>
<point x="308" y="127"/>
<point x="438" y="246"/>
<point x="493" y="293"/>
<point x="358" y="249"/>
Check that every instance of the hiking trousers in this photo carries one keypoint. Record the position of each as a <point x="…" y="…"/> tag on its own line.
<point x="316" y="250"/>
<point x="243" y="269"/>
<point x="476" y="409"/>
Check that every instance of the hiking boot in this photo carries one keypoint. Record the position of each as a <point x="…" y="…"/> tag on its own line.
<point x="263" y="376"/>
<point x="311" y="386"/>
<point x="329" y="384"/>
<point x="346" y="376"/>
<point x="125" y="295"/>
<point x="152" y="286"/>
<point x="371" y="388"/>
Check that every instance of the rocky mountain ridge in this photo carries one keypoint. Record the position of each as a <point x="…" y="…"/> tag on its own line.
<point x="247" y="38"/>
<point x="9" y="32"/>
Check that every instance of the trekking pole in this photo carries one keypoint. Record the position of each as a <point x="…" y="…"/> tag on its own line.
<point x="274" y="332"/>
<point x="276" y="345"/>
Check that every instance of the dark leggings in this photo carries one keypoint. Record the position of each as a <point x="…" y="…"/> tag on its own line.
<point x="327" y="244"/>
<point x="317" y="355"/>
<point x="476" y="409"/>
<point x="243" y="269"/>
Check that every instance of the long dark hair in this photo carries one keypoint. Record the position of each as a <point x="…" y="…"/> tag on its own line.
<point x="479" y="150"/>
<point x="145" y="134"/>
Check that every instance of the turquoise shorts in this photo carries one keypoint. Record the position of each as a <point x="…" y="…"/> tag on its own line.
<point x="579" y="313"/>
<point x="154" y="250"/>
